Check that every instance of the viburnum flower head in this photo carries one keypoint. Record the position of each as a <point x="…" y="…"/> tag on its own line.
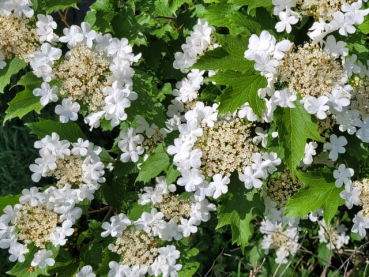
<point x="264" y="64"/>
<point x="351" y="195"/>
<point x="86" y="271"/>
<point x="284" y="99"/>
<point x="72" y="36"/>
<point x="251" y="178"/>
<point x="361" y="223"/>
<point x="220" y="185"/>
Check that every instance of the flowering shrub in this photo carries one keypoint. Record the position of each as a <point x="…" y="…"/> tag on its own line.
<point x="227" y="116"/>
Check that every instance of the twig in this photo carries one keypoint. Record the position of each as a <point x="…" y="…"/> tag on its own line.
<point x="280" y="263"/>
<point x="212" y="266"/>
<point x="109" y="212"/>
<point x="244" y="246"/>
<point x="294" y="269"/>
<point x="100" y="210"/>
<point x="293" y="256"/>
<point x="326" y="266"/>
<point x="165" y="17"/>
<point x="349" y="258"/>
<point x="190" y="239"/>
<point x="64" y="18"/>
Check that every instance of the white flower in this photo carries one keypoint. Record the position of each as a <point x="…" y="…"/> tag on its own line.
<point x="93" y="119"/>
<point x="310" y="152"/>
<point x="67" y="110"/>
<point x="336" y="49"/>
<point x="10" y="213"/>
<point x="32" y="196"/>
<point x="118" y="270"/>
<point x="80" y="148"/>
<point x="280" y="48"/>
<point x="246" y="111"/>
<point x="201" y="210"/>
<point x="262" y="136"/>
<point x="251" y="178"/>
<point x="159" y="266"/>
<point x="361" y="223"/>
<point x="344" y="23"/>
<point x="17" y="252"/>
<point x="317" y="106"/>
<point x="46" y="93"/>
<point x="259" y="45"/>
<point x="187" y="226"/>
<point x="89" y="35"/>
<point x="347" y="120"/>
<point x="170" y="253"/>
<point x="280" y="5"/>
<point x="2" y="63"/>
<point x="190" y="131"/>
<point x="145" y="127"/>
<point x="220" y="185"/>
<point x="86" y="271"/>
<point x="318" y="28"/>
<point x="21" y="6"/>
<point x="335" y="146"/>
<point x="350" y="65"/>
<point x="351" y="195"/>
<point x="263" y="63"/>
<point x="285" y="21"/>
<point x="42" y="259"/>
<point x="336" y="101"/>
<point x="284" y="99"/>
<point x="343" y="175"/>
<point x="129" y="139"/>
<point x="354" y="11"/>
<point x="118" y="225"/>
<point x="72" y="36"/>
<point x="190" y="179"/>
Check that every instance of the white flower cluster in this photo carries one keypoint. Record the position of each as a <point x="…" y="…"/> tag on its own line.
<point x="111" y="60"/>
<point x="18" y="8"/>
<point x="283" y="240"/>
<point x="41" y="217"/>
<point x="79" y="166"/>
<point x="332" y="16"/>
<point x="136" y="243"/>
<point x="198" y="42"/>
<point x="189" y="212"/>
<point x="187" y="156"/>
<point x="135" y="141"/>
<point x="335" y="237"/>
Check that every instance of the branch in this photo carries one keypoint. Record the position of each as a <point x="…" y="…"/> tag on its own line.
<point x="165" y="17"/>
<point x="64" y="18"/>
<point x="214" y="263"/>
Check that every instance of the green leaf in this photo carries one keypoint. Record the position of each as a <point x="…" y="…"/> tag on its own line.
<point x="69" y="131"/>
<point x="92" y="254"/>
<point x="23" y="103"/>
<point x="155" y="164"/>
<point x="295" y="126"/>
<point x="125" y="24"/>
<point x="30" y="81"/>
<point x="243" y="87"/>
<point x="146" y="105"/>
<point x="138" y="210"/>
<point x="239" y="216"/>
<point x="364" y="27"/>
<point x="228" y="57"/>
<point x="240" y="21"/>
<point x="216" y="14"/>
<point x="175" y="4"/>
<point x="12" y="67"/>
<point x="321" y="192"/>
<point x="121" y="169"/>
<point x="252" y="4"/>
<point x="56" y="5"/>
<point x="210" y="93"/>
<point x="172" y="174"/>
<point x="8" y="200"/>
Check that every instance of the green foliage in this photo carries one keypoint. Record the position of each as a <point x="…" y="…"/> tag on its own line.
<point x="239" y="216"/>
<point x="12" y="67"/>
<point x="22" y="104"/>
<point x="51" y="6"/>
<point x="242" y="88"/>
<point x="216" y="14"/>
<point x="295" y="126"/>
<point x="156" y="163"/>
<point x="228" y="57"/>
<point x="8" y="200"/>
<point x="69" y="131"/>
<point x="320" y="192"/>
